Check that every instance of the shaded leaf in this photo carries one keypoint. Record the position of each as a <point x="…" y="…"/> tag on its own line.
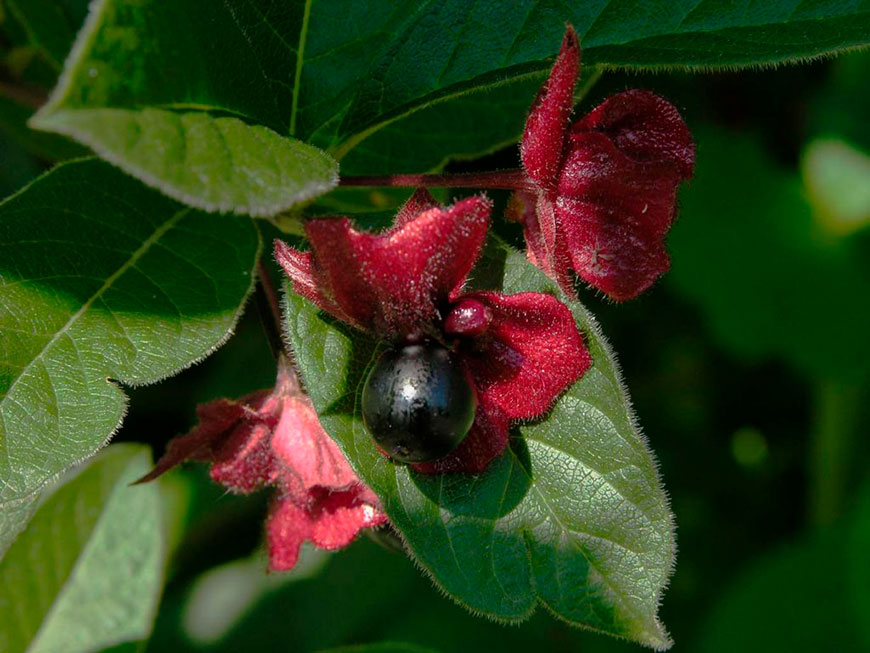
<point x="465" y="127"/>
<point x="571" y="516"/>
<point x="50" y="147"/>
<point x="87" y="571"/>
<point x="450" y="47"/>
<point x="335" y="73"/>
<point x="101" y="279"/>
<point x="17" y="167"/>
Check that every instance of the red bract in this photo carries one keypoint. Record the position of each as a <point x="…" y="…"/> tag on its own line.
<point x="274" y="438"/>
<point x="520" y="351"/>
<point x="605" y="186"/>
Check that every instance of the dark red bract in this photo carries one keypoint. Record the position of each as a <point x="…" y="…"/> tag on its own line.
<point x="606" y="185"/>
<point x="521" y="351"/>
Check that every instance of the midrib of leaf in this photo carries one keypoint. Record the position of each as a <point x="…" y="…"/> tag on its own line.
<point x="300" y="55"/>
<point x="340" y="149"/>
<point x="146" y="245"/>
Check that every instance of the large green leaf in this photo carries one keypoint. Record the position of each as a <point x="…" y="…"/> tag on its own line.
<point x="571" y="516"/>
<point x="87" y="572"/>
<point x="464" y="128"/>
<point x="333" y="73"/>
<point x="101" y="279"/>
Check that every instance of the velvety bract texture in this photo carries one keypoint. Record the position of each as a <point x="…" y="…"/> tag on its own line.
<point x="406" y="284"/>
<point x="274" y="438"/>
<point x="606" y="185"/>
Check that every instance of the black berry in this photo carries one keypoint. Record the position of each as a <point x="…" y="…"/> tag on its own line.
<point x="418" y="403"/>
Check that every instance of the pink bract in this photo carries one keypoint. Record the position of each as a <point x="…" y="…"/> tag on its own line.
<point x="274" y="438"/>
<point x="406" y="284"/>
<point x="606" y="185"/>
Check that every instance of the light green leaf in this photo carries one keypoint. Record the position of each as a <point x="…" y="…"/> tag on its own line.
<point x="101" y="281"/>
<point x="14" y="516"/>
<point x="86" y="573"/>
<point x="215" y="164"/>
<point x="572" y="516"/>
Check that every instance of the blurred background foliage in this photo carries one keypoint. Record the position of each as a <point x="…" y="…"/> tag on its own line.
<point x="749" y="367"/>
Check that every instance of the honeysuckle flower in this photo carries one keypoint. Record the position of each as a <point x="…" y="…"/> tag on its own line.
<point x="406" y="285"/>
<point x="604" y="187"/>
<point x="274" y="438"/>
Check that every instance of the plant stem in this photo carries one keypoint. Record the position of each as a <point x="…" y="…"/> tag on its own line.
<point x="506" y="179"/>
<point x="269" y="309"/>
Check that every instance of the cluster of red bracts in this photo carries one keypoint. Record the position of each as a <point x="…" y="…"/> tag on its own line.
<point x="605" y="186"/>
<point x="598" y="199"/>
<point x="406" y="285"/>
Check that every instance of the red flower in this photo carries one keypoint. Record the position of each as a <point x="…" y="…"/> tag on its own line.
<point x="520" y="351"/>
<point x="274" y="438"/>
<point x="605" y="186"/>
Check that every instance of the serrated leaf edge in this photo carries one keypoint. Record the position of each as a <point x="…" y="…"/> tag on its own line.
<point x="117" y="384"/>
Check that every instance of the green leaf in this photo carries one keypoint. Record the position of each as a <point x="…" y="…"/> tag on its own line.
<point x="333" y="73"/>
<point x="49" y="147"/>
<point x="466" y="127"/>
<point x="215" y="164"/>
<point x="17" y="166"/>
<point x="87" y="572"/>
<point x="448" y="48"/>
<point x="101" y="281"/>
<point x="571" y="516"/>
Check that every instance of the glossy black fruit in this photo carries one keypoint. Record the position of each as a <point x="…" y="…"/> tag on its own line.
<point x="417" y="403"/>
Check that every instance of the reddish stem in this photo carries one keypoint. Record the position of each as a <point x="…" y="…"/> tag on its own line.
<point x="269" y="309"/>
<point x="269" y="290"/>
<point x="507" y="179"/>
